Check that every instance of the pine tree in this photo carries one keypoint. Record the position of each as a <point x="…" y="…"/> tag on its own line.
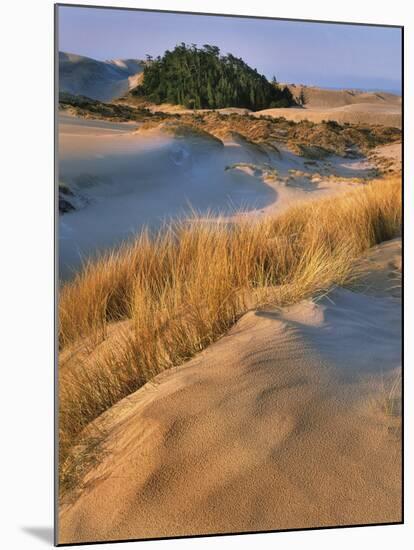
<point x="202" y="78"/>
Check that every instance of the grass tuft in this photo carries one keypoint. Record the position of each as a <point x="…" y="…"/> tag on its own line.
<point x="177" y="292"/>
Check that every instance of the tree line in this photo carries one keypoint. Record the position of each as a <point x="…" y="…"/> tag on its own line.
<point x="201" y="78"/>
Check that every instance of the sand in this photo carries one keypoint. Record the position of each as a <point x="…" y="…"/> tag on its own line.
<point x="354" y="107"/>
<point x="386" y="115"/>
<point x="280" y="424"/>
<point x="144" y="178"/>
<point x="388" y="157"/>
<point x="139" y="180"/>
<point x="379" y="272"/>
<point x="102" y="80"/>
<point x="328" y="98"/>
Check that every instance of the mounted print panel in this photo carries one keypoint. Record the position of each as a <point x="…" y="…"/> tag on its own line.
<point x="229" y="212"/>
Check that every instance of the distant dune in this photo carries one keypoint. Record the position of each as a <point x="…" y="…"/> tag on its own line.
<point x="103" y="80"/>
<point x="325" y="98"/>
<point x="352" y="106"/>
<point x="351" y="114"/>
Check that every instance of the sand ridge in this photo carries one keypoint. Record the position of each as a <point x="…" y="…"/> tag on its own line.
<point x="277" y="425"/>
<point x="343" y="106"/>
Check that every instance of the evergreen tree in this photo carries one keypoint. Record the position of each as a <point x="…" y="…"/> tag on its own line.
<point x="202" y="78"/>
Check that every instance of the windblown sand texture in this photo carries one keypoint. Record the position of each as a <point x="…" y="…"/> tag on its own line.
<point x="282" y="423"/>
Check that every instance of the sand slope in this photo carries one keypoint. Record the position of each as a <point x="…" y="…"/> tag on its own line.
<point x="364" y="113"/>
<point x="350" y="106"/>
<point x="388" y="157"/>
<point x="279" y="424"/>
<point x="323" y="98"/>
<point x="102" y="80"/>
<point x="143" y="177"/>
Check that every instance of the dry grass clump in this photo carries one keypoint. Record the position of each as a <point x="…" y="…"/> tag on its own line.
<point x="310" y="139"/>
<point x="185" y="287"/>
<point x="86" y="107"/>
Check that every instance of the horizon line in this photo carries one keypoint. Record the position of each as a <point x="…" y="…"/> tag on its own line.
<point x="395" y="90"/>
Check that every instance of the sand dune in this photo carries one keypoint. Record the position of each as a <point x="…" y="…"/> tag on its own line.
<point x="280" y="424"/>
<point x="103" y="80"/>
<point x="364" y="113"/>
<point x="317" y="97"/>
<point x="142" y="178"/>
<point x="352" y="106"/>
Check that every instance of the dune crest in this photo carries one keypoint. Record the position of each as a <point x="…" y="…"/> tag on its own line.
<point x="284" y="412"/>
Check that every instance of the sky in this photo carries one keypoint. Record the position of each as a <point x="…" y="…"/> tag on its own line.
<point x="322" y="54"/>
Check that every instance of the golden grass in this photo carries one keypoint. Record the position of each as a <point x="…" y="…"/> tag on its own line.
<point x="310" y="139"/>
<point x="185" y="287"/>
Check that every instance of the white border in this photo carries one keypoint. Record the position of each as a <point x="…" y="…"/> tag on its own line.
<point x="26" y="298"/>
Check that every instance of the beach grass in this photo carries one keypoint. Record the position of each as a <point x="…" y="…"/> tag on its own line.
<point x="174" y="293"/>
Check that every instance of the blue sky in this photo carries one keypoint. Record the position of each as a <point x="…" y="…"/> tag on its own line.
<point x="331" y="55"/>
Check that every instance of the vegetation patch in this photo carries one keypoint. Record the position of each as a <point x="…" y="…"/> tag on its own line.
<point x="180" y="290"/>
<point x="311" y="140"/>
<point x="86" y="107"/>
<point x="264" y="171"/>
<point x="200" y="78"/>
